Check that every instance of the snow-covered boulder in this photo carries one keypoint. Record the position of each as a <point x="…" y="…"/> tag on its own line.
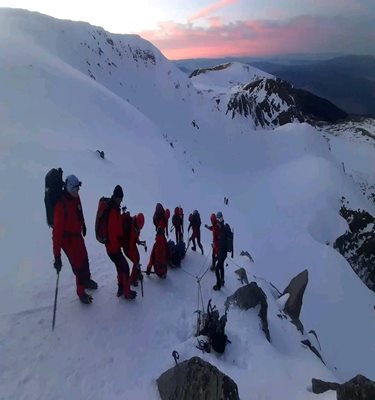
<point x="196" y="379"/>
<point x="250" y="296"/>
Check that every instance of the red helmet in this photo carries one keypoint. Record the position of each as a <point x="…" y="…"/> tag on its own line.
<point x="213" y="219"/>
<point x="140" y="221"/>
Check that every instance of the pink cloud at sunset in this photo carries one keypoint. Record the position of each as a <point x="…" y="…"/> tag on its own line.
<point x="204" y="12"/>
<point x="262" y="38"/>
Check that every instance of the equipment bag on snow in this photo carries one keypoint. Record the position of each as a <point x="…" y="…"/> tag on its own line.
<point x="101" y="221"/>
<point x="214" y="328"/>
<point x="54" y="186"/>
<point x="177" y="252"/>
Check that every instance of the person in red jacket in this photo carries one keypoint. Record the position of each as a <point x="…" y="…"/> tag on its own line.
<point x="159" y="255"/>
<point x="161" y="217"/>
<point x="130" y="245"/>
<point x="177" y="221"/>
<point x="114" y="244"/>
<point x="68" y="228"/>
<point x="214" y="228"/>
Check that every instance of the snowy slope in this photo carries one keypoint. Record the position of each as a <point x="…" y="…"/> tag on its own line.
<point x="283" y="188"/>
<point x="226" y="76"/>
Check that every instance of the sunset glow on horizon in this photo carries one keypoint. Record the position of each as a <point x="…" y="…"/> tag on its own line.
<point x="222" y="28"/>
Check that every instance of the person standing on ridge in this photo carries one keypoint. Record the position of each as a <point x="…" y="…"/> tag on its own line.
<point x="222" y="251"/>
<point x="214" y="228"/>
<point x="68" y="228"/>
<point x="195" y="225"/>
<point x="161" y="217"/>
<point x="115" y="241"/>
<point x="177" y="221"/>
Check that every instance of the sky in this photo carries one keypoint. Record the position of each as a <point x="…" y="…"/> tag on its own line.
<point x="218" y="28"/>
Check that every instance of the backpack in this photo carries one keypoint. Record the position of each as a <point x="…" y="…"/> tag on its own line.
<point x="229" y="239"/>
<point x="101" y="221"/>
<point x="54" y="186"/>
<point x="214" y="328"/>
<point x="177" y="252"/>
<point x="195" y="220"/>
<point x="177" y="220"/>
<point x="127" y="223"/>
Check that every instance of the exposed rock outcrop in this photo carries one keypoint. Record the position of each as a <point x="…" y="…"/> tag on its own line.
<point x="358" y="244"/>
<point x="296" y="289"/>
<point x="196" y="379"/>
<point x="358" y="388"/>
<point x="274" y="102"/>
<point x="250" y="296"/>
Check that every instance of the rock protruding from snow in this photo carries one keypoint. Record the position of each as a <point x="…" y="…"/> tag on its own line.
<point x="196" y="379"/>
<point x="358" y="388"/>
<point x="274" y="102"/>
<point x="250" y="296"/>
<point x="358" y="244"/>
<point x="296" y="289"/>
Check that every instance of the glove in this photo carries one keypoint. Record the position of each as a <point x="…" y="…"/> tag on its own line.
<point x="57" y="264"/>
<point x="84" y="230"/>
<point x="206" y="226"/>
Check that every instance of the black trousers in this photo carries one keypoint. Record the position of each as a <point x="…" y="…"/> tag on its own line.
<point x="219" y="270"/>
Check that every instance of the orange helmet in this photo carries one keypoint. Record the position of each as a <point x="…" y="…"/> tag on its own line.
<point x="140" y="221"/>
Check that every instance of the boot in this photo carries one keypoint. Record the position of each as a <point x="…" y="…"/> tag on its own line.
<point x="131" y="295"/>
<point x="128" y="293"/>
<point x="85" y="298"/>
<point x="90" y="284"/>
<point x="217" y="287"/>
<point x="135" y="284"/>
<point x="120" y="290"/>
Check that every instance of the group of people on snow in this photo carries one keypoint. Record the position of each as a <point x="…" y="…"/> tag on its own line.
<point x="120" y="232"/>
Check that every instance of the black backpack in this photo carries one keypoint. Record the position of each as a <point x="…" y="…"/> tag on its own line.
<point x="54" y="186"/>
<point x="229" y="239"/>
<point x="101" y="220"/>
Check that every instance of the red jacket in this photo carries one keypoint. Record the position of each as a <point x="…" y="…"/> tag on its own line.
<point x="115" y="230"/>
<point x="68" y="220"/>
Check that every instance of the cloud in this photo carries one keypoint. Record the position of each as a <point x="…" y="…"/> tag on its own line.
<point x="204" y="12"/>
<point x="304" y="34"/>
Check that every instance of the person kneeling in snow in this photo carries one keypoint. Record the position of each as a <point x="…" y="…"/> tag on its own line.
<point x="159" y="255"/>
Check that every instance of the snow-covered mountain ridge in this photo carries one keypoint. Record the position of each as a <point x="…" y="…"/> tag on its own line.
<point x="284" y="188"/>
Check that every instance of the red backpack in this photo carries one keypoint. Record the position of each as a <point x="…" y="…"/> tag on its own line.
<point x="101" y="221"/>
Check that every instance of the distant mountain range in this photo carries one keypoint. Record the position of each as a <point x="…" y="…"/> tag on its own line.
<point x="346" y="81"/>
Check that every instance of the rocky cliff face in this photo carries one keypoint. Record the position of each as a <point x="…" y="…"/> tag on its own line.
<point x="274" y="102"/>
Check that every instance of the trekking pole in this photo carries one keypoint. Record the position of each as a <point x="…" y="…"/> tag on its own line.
<point x="54" y="307"/>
